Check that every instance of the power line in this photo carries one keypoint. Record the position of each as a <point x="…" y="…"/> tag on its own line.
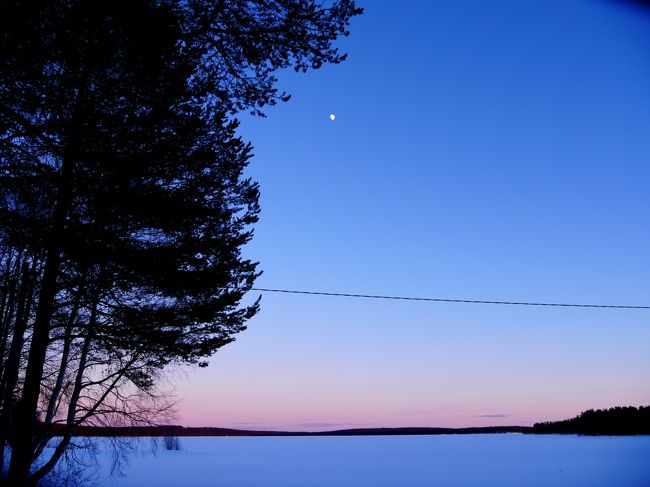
<point x="443" y="300"/>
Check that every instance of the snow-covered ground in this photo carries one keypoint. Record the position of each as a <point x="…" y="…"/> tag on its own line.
<point x="446" y="460"/>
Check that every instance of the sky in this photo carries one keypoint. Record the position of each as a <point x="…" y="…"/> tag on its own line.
<point x="492" y="150"/>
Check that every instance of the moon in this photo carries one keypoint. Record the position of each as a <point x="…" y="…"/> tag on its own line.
<point x="332" y="117"/>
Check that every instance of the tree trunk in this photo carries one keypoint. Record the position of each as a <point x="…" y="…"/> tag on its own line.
<point x="12" y="365"/>
<point x="8" y="311"/>
<point x="67" y="343"/>
<point x="22" y="448"/>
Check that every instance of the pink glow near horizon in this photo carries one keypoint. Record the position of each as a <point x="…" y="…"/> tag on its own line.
<point x="247" y="388"/>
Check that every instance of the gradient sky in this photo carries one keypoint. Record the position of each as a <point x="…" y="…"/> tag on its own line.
<point x="482" y="149"/>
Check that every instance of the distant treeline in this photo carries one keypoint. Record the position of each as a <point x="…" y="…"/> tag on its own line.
<point x="174" y="430"/>
<point x="615" y="421"/>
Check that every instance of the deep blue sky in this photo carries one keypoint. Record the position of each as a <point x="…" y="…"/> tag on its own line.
<point x="482" y="149"/>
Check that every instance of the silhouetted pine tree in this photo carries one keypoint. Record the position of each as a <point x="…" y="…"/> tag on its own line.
<point x="124" y="205"/>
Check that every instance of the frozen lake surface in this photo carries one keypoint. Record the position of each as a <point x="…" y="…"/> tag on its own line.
<point x="445" y="460"/>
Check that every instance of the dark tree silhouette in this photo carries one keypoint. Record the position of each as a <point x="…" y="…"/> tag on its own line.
<point x="124" y="207"/>
<point x="626" y="420"/>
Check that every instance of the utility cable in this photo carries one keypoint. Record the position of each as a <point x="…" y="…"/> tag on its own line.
<point x="445" y="300"/>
